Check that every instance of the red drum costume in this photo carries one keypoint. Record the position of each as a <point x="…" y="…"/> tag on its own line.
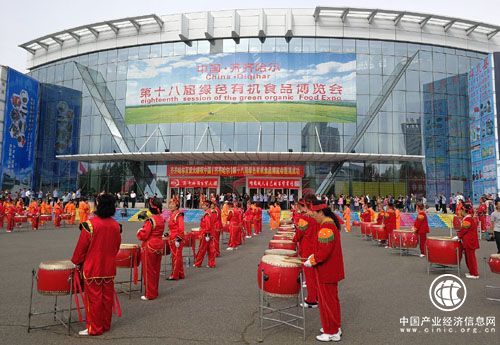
<point x="235" y="219"/>
<point x="176" y="228"/>
<point x="35" y="216"/>
<point x="207" y="242"/>
<point x="328" y="265"/>
<point x="422" y="229"/>
<point x="10" y="211"/>
<point x="482" y="212"/>
<point x="257" y="219"/>
<point x="96" y="249"/>
<point x="305" y="236"/>
<point x="248" y="221"/>
<point x="380" y="217"/>
<point x="390" y="224"/>
<point x="366" y="216"/>
<point x="468" y="236"/>
<point x="57" y="214"/>
<point x="152" y="250"/>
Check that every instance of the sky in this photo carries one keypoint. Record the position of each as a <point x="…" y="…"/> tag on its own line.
<point x="35" y="18"/>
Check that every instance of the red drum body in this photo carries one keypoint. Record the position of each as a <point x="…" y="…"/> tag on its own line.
<point x="494" y="263"/>
<point x="65" y="216"/>
<point x="457" y="222"/>
<point x="53" y="277"/>
<point x="127" y="255"/>
<point x="21" y="219"/>
<point x="282" y="237"/>
<point x="281" y="278"/>
<point x="287" y="228"/>
<point x="285" y="233"/>
<point x="45" y="217"/>
<point x="282" y="244"/>
<point x="365" y="228"/>
<point x="404" y="239"/>
<point x="378" y="232"/>
<point x="282" y="252"/>
<point x="286" y="222"/>
<point x="443" y="250"/>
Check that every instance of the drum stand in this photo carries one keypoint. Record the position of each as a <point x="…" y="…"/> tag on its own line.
<point x="488" y="288"/>
<point x="58" y="313"/>
<point x="129" y="290"/>
<point x="441" y="266"/>
<point x="281" y="315"/>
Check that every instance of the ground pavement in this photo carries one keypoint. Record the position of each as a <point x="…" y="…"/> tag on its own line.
<point x="220" y="306"/>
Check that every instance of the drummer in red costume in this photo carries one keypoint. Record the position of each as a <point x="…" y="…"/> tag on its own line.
<point x="176" y="240"/>
<point x="421" y="227"/>
<point x="305" y="236"/>
<point x="96" y="250"/>
<point x="207" y="241"/>
<point x="35" y="215"/>
<point x="366" y="215"/>
<point x="381" y="214"/>
<point x="257" y="218"/>
<point x="58" y="210"/>
<point x="152" y="248"/>
<point x="248" y="220"/>
<point x="234" y="218"/>
<point x="217" y="224"/>
<point x="390" y="222"/>
<point x="482" y="212"/>
<point x="10" y="212"/>
<point x="468" y="235"/>
<point x="327" y="261"/>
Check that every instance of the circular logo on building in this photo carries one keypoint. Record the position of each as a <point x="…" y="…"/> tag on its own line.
<point x="448" y="292"/>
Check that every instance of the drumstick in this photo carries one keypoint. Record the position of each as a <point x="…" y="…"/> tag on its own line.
<point x="293" y="260"/>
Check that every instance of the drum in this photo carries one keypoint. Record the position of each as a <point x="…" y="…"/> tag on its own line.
<point x="365" y="228"/>
<point x="282" y="244"/>
<point x="404" y="239"/>
<point x="53" y="277"/>
<point x="286" y="228"/>
<point x="457" y="222"/>
<point x="282" y="237"/>
<point x="286" y="222"/>
<point x="494" y="263"/>
<point x="46" y="217"/>
<point x="281" y="278"/>
<point x="20" y="219"/>
<point x="378" y="232"/>
<point x="283" y="252"/>
<point x="285" y="233"/>
<point x="443" y="250"/>
<point x="128" y="256"/>
<point x="65" y="216"/>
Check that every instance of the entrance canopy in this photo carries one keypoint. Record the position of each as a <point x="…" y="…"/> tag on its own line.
<point x="241" y="156"/>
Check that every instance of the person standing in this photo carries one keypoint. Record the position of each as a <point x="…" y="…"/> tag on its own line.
<point x="83" y="210"/>
<point x="176" y="239"/>
<point x="58" y="210"/>
<point x="216" y="222"/>
<point x="152" y="248"/>
<point x="495" y="225"/>
<point x="421" y="228"/>
<point x="71" y="210"/>
<point x="248" y="220"/>
<point x="10" y="212"/>
<point x="133" y="198"/>
<point x="468" y="236"/>
<point x="95" y="253"/>
<point x="347" y="218"/>
<point x="234" y="218"/>
<point x="257" y="218"/>
<point x="2" y="212"/>
<point x="482" y="212"/>
<point x="207" y="242"/>
<point x="274" y="215"/>
<point x="35" y="215"/>
<point x="390" y="223"/>
<point x="327" y="261"/>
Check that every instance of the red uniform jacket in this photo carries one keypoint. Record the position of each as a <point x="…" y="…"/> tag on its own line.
<point x="97" y="247"/>
<point x="176" y="225"/>
<point x="214" y="219"/>
<point x="11" y="211"/>
<point x="482" y="210"/>
<point x="380" y="217"/>
<point x="257" y="214"/>
<point x="327" y="258"/>
<point x="234" y="217"/>
<point x="421" y="223"/>
<point x="468" y="233"/>
<point x="249" y="215"/>
<point x="206" y="224"/>
<point x="218" y="225"/>
<point x="366" y="216"/>
<point x="35" y="211"/>
<point x="390" y="220"/>
<point x="151" y="232"/>
<point x="306" y="234"/>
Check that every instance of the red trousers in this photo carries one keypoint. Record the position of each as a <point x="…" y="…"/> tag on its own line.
<point x="248" y="227"/>
<point x="57" y="220"/>
<point x="257" y="226"/>
<point x="11" y="223"/>
<point x="151" y="266"/>
<point x="234" y="236"/>
<point x="34" y="222"/>
<point x="217" y="242"/>
<point x="99" y="296"/>
<point x="422" y="238"/>
<point x="1" y="221"/>
<point x="177" y="261"/>
<point x="204" y="247"/>
<point x="329" y="307"/>
<point x="482" y="220"/>
<point x="470" y="260"/>
<point x="312" y="289"/>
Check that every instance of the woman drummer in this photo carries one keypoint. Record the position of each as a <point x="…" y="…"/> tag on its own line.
<point x="152" y="248"/>
<point x="468" y="236"/>
<point x="176" y="240"/>
<point x="421" y="227"/>
<point x="328" y="264"/>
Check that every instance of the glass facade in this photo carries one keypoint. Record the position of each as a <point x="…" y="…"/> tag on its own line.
<point x="396" y="129"/>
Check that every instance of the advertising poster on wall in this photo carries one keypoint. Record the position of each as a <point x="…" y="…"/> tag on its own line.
<point x="482" y="129"/>
<point x="20" y="131"/>
<point x="60" y="110"/>
<point x="243" y="87"/>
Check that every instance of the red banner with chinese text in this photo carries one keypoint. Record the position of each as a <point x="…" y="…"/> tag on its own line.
<point x="193" y="183"/>
<point x="236" y="170"/>
<point x="273" y="183"/>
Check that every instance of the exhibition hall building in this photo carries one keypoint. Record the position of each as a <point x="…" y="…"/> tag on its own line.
<point x="325" y="100"/>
